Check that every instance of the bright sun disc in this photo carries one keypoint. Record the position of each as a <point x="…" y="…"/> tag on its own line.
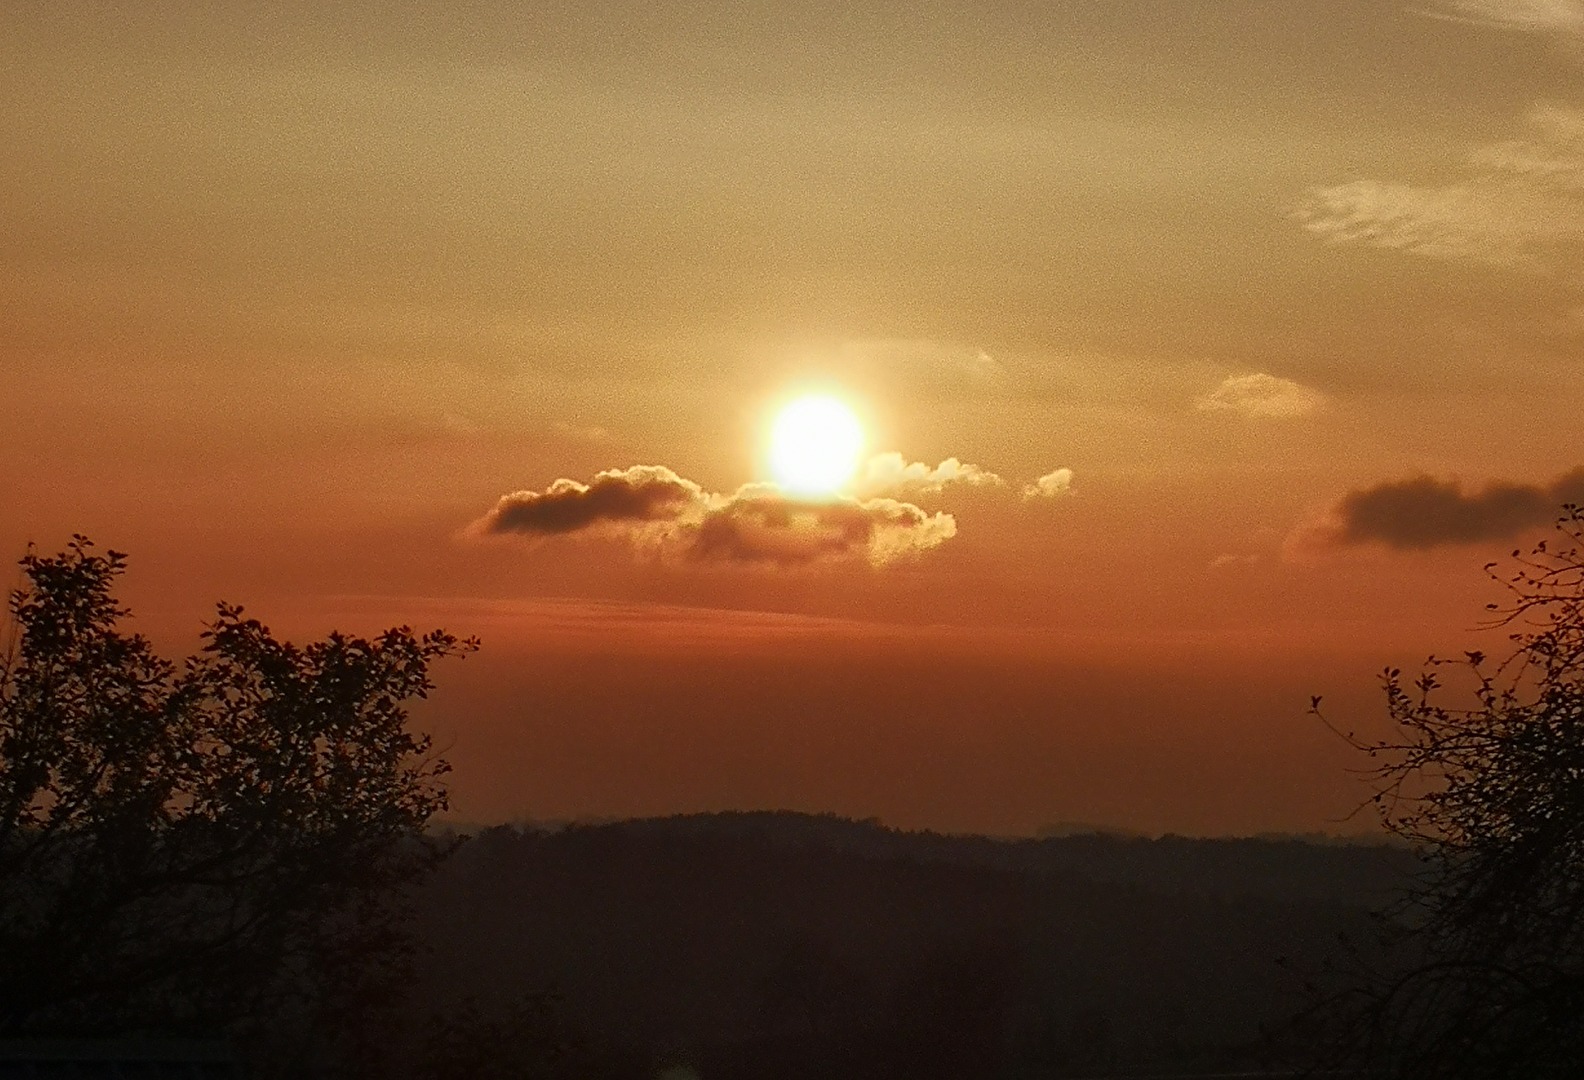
<point x="815" y="444"/>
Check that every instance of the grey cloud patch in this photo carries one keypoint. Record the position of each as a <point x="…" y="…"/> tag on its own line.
<point x="642" y="494"/>
<point x="1423" y="512"/>
<point x="654" y="509"/>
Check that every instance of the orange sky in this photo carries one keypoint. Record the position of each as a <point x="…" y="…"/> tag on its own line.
<point x="290" y="298"/>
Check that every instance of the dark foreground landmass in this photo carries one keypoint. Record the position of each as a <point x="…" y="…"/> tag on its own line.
<point x="770" y="945"/>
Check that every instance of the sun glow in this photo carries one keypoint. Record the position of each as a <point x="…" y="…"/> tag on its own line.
<point x="815" y="445"/>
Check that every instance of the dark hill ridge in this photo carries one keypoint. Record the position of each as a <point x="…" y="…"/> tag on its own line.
<point x="750" y="945"/>
<point x="1274" y="866"/>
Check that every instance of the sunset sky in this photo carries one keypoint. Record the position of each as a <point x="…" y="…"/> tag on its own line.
<point x="1203" y="352"/>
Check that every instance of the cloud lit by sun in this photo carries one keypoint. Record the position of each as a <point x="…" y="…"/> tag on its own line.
<point x="826" y="499"/>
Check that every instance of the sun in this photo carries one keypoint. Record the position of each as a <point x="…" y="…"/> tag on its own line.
<point x="815" y="445"/>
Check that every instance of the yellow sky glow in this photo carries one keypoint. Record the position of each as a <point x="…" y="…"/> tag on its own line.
<point x="1189" y="339"/>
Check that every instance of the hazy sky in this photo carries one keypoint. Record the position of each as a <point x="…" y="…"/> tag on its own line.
<point x="1269" y="293"/>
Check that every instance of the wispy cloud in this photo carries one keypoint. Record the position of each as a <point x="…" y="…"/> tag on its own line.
<point x="1424" y="512"/>
<point x="1562" y="18"/>
<point x="655" y="510"/>
<point x="1262" y="395"/>
<point x="1551" y="156"/>
<point x="1519" y="203"/>
<point x="1052" y="485"/>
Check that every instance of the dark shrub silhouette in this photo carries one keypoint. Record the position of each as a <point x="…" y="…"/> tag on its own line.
<point x="215" y="848"/>
<point x="1489" y="978"/>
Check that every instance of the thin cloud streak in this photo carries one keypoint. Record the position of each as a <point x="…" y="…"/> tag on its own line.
<point x="924" y="358"/>
<point x="1561" y="18"/>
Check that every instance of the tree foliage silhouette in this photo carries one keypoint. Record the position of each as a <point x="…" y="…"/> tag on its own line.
<point x="213" y="846"/>
<point x="1491" y="983"/>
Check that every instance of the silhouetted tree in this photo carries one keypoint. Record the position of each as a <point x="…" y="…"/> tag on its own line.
<point x="1491" y="946"/>
<point x="217" y="847"/>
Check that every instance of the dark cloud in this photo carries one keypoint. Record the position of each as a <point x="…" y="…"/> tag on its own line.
<point x="642" y="494"/>
<point x="1425" y="512"/>
<point x="655" y="509"/>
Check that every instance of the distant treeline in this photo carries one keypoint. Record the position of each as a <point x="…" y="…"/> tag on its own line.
<point x="767" y="945"/>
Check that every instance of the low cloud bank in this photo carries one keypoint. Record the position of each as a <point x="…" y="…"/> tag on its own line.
<point x="760" y="524"/>
<point x="654" y="509"/>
